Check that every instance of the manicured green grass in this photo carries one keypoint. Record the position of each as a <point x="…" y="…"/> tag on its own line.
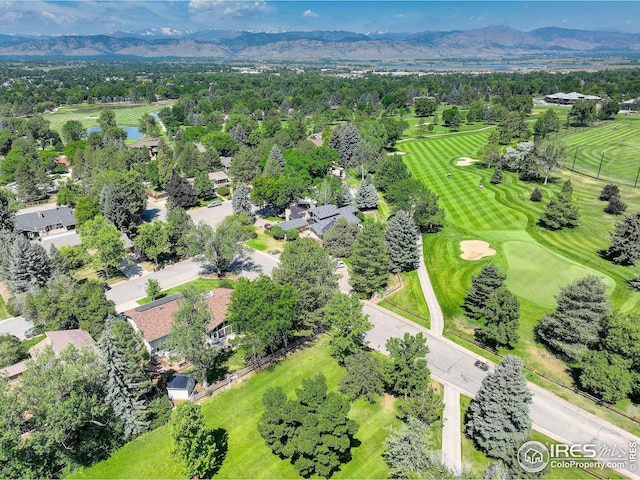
<point x="30" y="342"/>
<point x="3" y="310"/>
<point x="201" y="285"/>
<point x="538" y="262"/>
<point x="409" y="297"/>
<point x="265" y="243"/>
<point x="126" y="115"/>
<point x="238" y="410"/>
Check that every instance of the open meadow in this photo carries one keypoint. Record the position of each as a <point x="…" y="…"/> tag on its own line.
<point x="538" y="262"/>
<point x="238" y="409"/>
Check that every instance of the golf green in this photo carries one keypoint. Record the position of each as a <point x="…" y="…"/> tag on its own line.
<point x="540" y="285"/>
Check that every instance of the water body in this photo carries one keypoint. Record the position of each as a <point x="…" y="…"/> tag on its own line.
<point x="479" y="66"/>
<point x="132" y="132"/>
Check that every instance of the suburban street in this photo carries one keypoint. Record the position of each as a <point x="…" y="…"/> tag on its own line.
<point x="14" y="326"/>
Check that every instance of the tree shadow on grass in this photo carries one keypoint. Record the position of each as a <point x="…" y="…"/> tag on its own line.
<point x="221" y="437"/>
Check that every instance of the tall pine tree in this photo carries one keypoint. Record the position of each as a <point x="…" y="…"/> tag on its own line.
<point x="401" y="236"/>
<point x="241" y="202"/>
<point x="498" y="418"/>
<point x="275" y="163"/>
<point x="370" y="260"/>
<point x="502" y="319"/>
<point x="120" y="389"/>
<point x="366" y="196"/>
<point x="625" y="242"/>
<point x="483" y="285"/>
<point x="29" y="266"/>
<point x="560" y="212"/>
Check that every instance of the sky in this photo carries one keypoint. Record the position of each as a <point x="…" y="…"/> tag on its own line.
<point x="47" y="17"/>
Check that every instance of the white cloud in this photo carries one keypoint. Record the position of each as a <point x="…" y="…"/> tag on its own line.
<point x="565" y="21"/>
<point x="310" y="13"/>
<point x="233" y="8"/>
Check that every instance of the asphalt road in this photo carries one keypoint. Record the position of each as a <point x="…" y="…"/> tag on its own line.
<point x="211" y="216"/>
<point x="15" y="326"/>
<point x="451" y="364"/>
<point x="125" y="293"/>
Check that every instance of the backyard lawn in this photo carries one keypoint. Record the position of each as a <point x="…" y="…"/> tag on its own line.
<point x="201" y="285"/>
<point x="238" y="410"/>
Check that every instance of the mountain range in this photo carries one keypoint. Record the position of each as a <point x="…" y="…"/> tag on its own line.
<point x="498" y="42"/>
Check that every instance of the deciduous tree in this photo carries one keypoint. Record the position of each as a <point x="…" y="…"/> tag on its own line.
<point x="103" y="238"/>
<point x="153" y="240"/>
<point x="409" y="374"/>
<point x="343" y="314"/>
<point x="338" y="240"/>
<point x="364" y="377"/>
<point x="181" y="193"/>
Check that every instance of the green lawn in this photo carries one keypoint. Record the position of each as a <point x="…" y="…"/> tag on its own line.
<point x="201" y="285"/>
<point x="3" y="310"/>
<point x="238" y="410"/>
<point x="538" y="262"/>
<point x="265" y="243"/>
<point x="409" y="297"/>
<point x="126" y="115"/>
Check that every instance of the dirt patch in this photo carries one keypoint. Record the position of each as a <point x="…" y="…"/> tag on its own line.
<point x="397" y="153"/>
<point x="386" y="402"/>
<point x="466" y="161"/>
<point x="4" y="292"/>
<point x="475" y="249"/>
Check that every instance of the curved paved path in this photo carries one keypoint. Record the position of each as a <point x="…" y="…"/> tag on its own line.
<point x="436" y="319"/>
<point x="451" y="430"/>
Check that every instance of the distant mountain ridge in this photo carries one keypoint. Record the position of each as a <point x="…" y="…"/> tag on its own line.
<point x="487" y="43"/>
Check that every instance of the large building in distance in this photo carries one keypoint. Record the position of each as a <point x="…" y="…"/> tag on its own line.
<point x="569" y="98"/>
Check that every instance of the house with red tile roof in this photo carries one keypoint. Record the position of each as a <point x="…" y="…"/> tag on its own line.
<point x="153" y="320"/>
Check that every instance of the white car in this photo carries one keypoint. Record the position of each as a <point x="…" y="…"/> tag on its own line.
<point x="339" y="263"/>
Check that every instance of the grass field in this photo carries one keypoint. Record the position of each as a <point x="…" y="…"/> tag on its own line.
<point x="538" y="262"/>
<point x="3" y="310"/>
<point x="201" y="285"/>
<point x="238" y="409"/>
<point x="410" y="297"/>
<point x="126" y="115"/>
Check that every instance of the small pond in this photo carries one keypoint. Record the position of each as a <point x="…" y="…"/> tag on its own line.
<point x="132" y="132"/>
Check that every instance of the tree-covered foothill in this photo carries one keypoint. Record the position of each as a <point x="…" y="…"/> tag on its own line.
<point x="370" y="260"/>
<point x="625" y="241"/>
<point x="401" y="235"/>
<point x="313" y="431"/>
<point x="483" y="285"/>
<point x="262" y="314"/>
<point x="578" y="320"/>
<point x="498" y="419"/>
<point x="199" y="448"/>
<point x="307" y="266"/>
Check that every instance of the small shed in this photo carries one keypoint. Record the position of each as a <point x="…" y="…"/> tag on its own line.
<point x="180" y="386"/>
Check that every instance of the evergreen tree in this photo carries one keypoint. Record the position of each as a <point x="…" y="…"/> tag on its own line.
<point x="502" y="319"/>
<point x="366" y="196"/>
<point x="343" y="314"/>
<point x="345" y="143"/>
<point x="425" y="405"/>
<point x="579" y="317"/>
<point x="410" y="373"/>
<point x="615" y="206"/>
<point x="498" y="418"/>
<point x="314" y="430"/>
<point x="347" y="197"/>
<point x="496" y="178"/>
<point x="181" y="193"/>
<point x="364" y="377"/>
<point x="483" y="285"/>
<point x="275" y="163"/>
<point x="536" y="195"/>
<point x="59" y="265"/>
<point x="241" y="200"/>
<point x="410" y="452"/>
<point x="606" y="375"/>
<point x="391" y="170"/>
<point x="338" y="240"/>
<point x="609" y="191"/>
<point x="560" y="213"/>
<point x="203" y="186"/>
<point x="29" y="266"/>
<point x="120" y="390"/>
<point x="401" y="236"/>
<point x="370" y="260"/>
<point x="178" y="225"/>
<point x="7" y="210"/>
<point x="625" y="242"/>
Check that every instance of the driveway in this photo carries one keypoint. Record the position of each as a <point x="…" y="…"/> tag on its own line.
<point x="15" y="326"/>
<point x="211" y="216"/>
<point x="156" y="210"/>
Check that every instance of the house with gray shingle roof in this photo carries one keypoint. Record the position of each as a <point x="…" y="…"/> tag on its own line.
<point x="44" y="222"/>
<point x="322" y="218"/>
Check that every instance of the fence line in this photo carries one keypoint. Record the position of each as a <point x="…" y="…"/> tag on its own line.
<point x="394" y="289"/>
<point x="588" y="396"/>
<point x="261" y="362"/>
<point x="406" y="310"/>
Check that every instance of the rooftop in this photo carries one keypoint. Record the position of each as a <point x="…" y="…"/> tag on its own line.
<point x="291" y="224"/>
<point x="179" y="381"/>
<point x="145" y="142"/>
<point x="218" y="176"/>
<point x="35" y="221"/>
<point x="61" y="339"/>
<point x="154" y="319"/>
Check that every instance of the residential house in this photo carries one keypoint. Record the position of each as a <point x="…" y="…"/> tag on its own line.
<point x="151" y="144"/>
<point x="180" y="386"/>
<point x="46" y="222"/>
<point x="226" y="162"/>
<point x="153" y="320"/>
<point x="322" y="218"/>
<point x="219" y="179"/>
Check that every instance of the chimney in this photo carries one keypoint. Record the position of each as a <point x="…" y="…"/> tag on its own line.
<point x="40" y="215"/>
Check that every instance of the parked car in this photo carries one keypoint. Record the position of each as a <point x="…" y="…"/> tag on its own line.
<point x="481" y="365"/>
<point x="30" y="332"/>
<point x="215" y="203"/>
<point x="105" y="286"/>
<point x="339" y="263"/>
<point x="267" y="226"/>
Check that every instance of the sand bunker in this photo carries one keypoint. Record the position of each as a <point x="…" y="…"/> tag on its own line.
<point x="397" y="153"/>
<point x="466" y="161"/>
<point x="475" y="249"/>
